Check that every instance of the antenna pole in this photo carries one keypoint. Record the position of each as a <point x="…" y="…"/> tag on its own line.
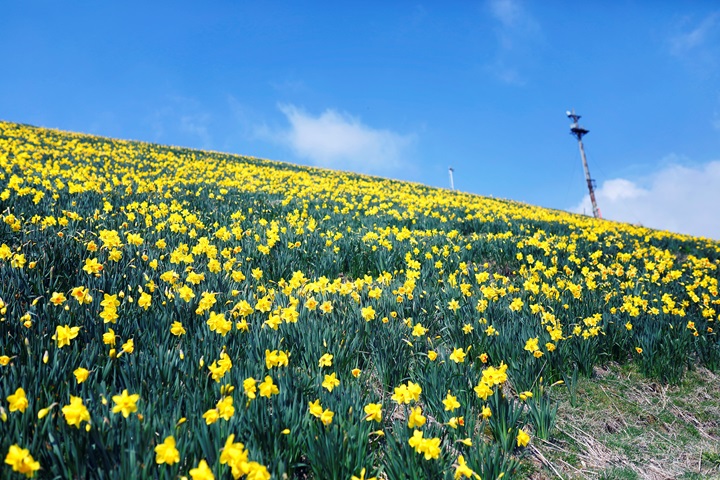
<point x="452" y="184"/>
<point x="578" y="131"/>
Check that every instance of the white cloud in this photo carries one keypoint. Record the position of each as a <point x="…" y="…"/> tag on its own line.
<point x="681" y="43"/>
<point x="338" y="140"/>
<point x="678" y="198"/>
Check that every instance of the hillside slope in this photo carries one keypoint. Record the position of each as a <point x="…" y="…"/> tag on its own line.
<point x="182" y="312"/>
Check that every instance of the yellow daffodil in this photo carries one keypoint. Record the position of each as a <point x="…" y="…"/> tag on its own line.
<point x="325" y="360"/>
<point x="458" y="355"/>
<point x="268" y="388"/>
<point x="373" y="412"/>
<point x="330" y="382"/>
<point x="202" y="472"/>
<point x="75" y="412"/>
<point x="125" y="403"/>
<point x="166" y="452"/>
<point x="522" y="438"/>
<point x="129" y="346"/>
<point x="450" y="402"/>
<point x="462" y="470"/>
<point x="57" y="298"/>
<point x="326" y="417"/>
<point x="416" y="418"/>
<point x="81" y="374"/>
<point x="65" y="333"/>
<point x="21" y="461"/>
<point x="362" y="476"/>
<point x="250" y="388"/>
<point x="177" y="329"/>
<point x="18" y="401"/>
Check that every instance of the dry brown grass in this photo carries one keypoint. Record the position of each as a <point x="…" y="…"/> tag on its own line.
<point x="627" y="427"/>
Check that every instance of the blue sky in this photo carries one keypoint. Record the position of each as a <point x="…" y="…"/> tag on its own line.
<point x="399" y="89"/>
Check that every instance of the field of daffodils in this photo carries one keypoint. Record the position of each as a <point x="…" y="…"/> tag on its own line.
<point x="171" y="313"/>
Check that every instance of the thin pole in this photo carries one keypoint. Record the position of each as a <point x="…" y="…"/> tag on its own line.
<point x="578" y="132"/>
<point x="596" y="210"/>
<point x="452" y="184"/>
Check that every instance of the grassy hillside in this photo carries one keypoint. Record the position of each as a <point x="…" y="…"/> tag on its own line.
<point x="169" y="312"/>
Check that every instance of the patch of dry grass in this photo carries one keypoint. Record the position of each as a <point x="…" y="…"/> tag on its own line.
<point x="628" y="427"/>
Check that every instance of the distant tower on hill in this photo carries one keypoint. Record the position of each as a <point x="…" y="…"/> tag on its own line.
<point x="452" y="184"/>
<point x="578" y="131"/>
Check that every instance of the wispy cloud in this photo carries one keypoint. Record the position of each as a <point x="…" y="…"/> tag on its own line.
<point x="196" y="125"/>
<point x="181" y="121"/>
<point x="696" y="45"/>
<point x="517" y="32"/>
<point x="339" y="140"/>
<point x="678" y="198"/>
<point x="698" y="36"/>
<point x="509" y="13"/>
<point x="289" y="86"/>
<point x="506" y="73"/>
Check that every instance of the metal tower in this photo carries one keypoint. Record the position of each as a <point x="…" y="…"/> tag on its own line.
<point x="578" y="131"/>
<point x="452" y="184"/>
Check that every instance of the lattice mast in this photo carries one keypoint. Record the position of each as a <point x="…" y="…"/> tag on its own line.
<point x="577" y="131"/>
